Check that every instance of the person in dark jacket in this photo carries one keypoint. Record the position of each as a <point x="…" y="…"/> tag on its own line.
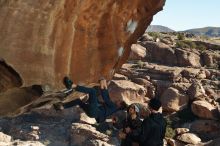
<point x="131" y="126"/>
<point x="93" y="108"/>
<point x="153" y="127"/>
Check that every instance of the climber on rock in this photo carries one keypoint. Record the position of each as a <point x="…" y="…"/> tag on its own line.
<point x="92" y="107"/>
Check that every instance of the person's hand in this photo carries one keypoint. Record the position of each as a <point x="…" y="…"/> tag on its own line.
<point x="128" y="130"/>
<point x="122" y="135"/>
<point x="114" y="120"/>
<point x="103" y="83"/>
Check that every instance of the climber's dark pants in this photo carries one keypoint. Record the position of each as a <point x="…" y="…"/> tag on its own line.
<point x="91" y="107"/>
<point x="128" y="141"/>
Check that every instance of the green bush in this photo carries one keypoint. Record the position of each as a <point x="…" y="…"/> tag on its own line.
<point x="180" y="36"/>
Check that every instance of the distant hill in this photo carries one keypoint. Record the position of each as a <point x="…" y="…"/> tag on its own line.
<point x="208" y="31"/>
<point x="159" y="28"/>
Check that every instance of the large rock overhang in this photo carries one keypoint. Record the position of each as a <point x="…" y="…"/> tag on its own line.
<point x="45" y="40"/>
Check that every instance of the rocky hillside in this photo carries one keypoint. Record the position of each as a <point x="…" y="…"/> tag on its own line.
<point x="182" y="72"/>
<point x="207" y="31"/>
<point x="159" y="28"/>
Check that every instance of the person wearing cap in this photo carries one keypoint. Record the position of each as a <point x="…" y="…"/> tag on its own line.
<point x="153" y="127"/>
<point x="131" y="126"/>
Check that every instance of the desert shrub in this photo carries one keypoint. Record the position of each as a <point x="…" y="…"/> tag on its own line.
<point x="191" y="44"/>
<point x="201" y="47"/>
<point x="140" y="64"/>
<point x="181" y="44"/>
<point x="203" y="37"/>
<point x="180" y="36"/>
<point x="170" y="132"/>
<point x="186" y="44"/>
<point x="216" y="47"/>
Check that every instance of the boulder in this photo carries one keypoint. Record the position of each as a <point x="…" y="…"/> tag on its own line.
<point x="167" y="41"/>
<point x="214" y="142"/>
<point x="201" y="74"/>
<point x="161" y="86"/>
<point x="211" y="59"/>
<point x="181" y="87"/>
<point x="84" y="134"/>
<point x="160" y="53"/>
<point x="119" y="77"/>
<point x="161" y="72"/>
<point x="203" y="109"/>
<point x="186" y="58"/>
<point x="127" y="91"/>
<point x="173" y="142"/>
<point x="207" y="59"/>
<point x="25" y="143"/>
<point x="147" y="85"/>
<point x="146" y="37"/>
<point x="206" y="129"/>
<point x="190" y="73"/>
<point x="172" y="100"/>
<point x="196" y="90"/>
<point x="5" y="138"/>
<point x="137" y="52"/>
<point x="211" y="93"/>
<point x="180" y="131"/>
<point x="189" y="138"/>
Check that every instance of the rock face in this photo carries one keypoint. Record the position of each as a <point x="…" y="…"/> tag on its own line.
<point x="45" y="40"/>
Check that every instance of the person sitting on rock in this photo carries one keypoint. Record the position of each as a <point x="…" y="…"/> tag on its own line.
<point x="131" y="126"/>
<point x="92" y="107"/>
<point x="153" y="127"/>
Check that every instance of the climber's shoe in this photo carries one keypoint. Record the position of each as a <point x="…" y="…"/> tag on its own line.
<point x="67" y="82"/>
<point x="58" y="106"/>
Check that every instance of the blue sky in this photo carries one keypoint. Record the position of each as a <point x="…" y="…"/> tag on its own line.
<point x="187" y="14"/>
